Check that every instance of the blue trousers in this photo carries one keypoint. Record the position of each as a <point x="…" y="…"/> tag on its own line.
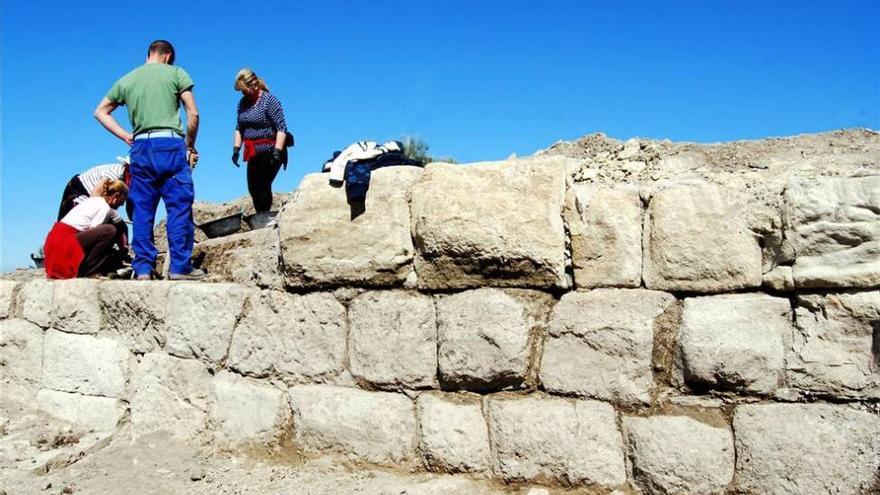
<point x="159" y="170"/>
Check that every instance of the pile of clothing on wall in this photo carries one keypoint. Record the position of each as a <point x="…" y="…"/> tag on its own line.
<point x="353" y="165"/>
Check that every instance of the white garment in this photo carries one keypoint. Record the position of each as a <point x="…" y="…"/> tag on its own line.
<point x="96" y="175"/>
<point x="90" y="213"/>
<point x="361" y="150"/>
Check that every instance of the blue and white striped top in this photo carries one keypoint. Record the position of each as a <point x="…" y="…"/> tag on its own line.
<point x="261" y="120"/>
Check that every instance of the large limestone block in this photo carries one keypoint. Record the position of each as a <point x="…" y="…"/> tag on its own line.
<point x="485" y="339"/>
<point x="21" y="353"/>
<point x="393" y="339"/>
<point x="377" y="427"/>
<point x="201" y="319"/>
<point x="496" y="224"/>
<point x="75" y="306"/>
<point x="572" y="441"/>
<point x="249" y="258"/>
<point x="135" y="313"/>
<point x="7" y="297"/>
<point x="677" y="454"/>
<point x="806" y="448"/>
<point x="605" y="226"/>
<point x="696" y="240"/>
<point x="34" y="302"/>
<point x="454" y="434"/>
<point x="249" y="412"/>
<point x="735" y="341"/>
<point x="84" y="364"/>
<point x="833" y="226"/>
<point x="95" y="413"/>
<point x="836" y="345"/>
<point x="67" y="305"/>
<point x="600" y="344"/>
<point x="170" y="394"/>
<point x="299" y="337"/>
<point x="322" y="245"/>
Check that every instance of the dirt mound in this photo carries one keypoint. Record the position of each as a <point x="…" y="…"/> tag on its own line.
<point x="638" y="160"/>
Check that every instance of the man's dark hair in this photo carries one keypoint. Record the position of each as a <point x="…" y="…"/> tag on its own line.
<point x="161" y="47"/>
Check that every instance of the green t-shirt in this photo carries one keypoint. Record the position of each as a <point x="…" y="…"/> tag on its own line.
<point x="152" y="95"/>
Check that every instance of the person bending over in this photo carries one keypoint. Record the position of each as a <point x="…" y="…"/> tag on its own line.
<point x="81" y="243"/>
<point x="83" y="185"/>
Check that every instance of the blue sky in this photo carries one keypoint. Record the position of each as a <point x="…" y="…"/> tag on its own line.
<point x="478" y="80"/>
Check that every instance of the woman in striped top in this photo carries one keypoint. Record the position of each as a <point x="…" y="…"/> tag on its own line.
<point x="263" y="132"/>
<point x="90" y="183"/>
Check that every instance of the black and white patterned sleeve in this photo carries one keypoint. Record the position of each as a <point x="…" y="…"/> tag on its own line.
<point x="275" y="113"/>
<point x="238" y="111"/>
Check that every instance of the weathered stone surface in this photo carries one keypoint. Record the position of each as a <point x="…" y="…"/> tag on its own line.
<point x="201" y="318"/>
<point x="496" y="224"/>
<point x="96" y="413"/>
<point x="35" y="302"/>
<point x="605" y="226"/>
<point x="836" y="345"/>
<point x="135" y="313"/>
<point x="66" y="305"/>
<point x="393" y="339"/>
<point x="170" y="394"/>
<point x="573" y="441"/>
<point x="249" y="412"/>
<point x="696" y="240"/>
<point x="7" y="297"/>
<point x="806" y="448"/>
<point x="735" y="342"/>
<point x="677" y="454"/>
<point x="75" y="306"/>
<point x="322" y="245"/>
<point x="484" y="339"/>
<point x="376" y="427"/>
<point x="833" y="225"/>
<point x="454" y="436"/>
<point x="301" y="338"/>
<point x="21" y="353"/>
<point x="600" y="342"/>
<point x="779" y="279"/>
<point x="249" y="258"/>
<point x="84" y="364"/>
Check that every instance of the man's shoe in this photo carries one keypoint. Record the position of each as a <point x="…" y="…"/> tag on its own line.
<point x="196" y="274"/>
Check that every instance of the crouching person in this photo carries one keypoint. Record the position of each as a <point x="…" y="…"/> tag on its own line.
<point x="81" y="244"/>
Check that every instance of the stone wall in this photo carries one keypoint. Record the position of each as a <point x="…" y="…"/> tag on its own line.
<point x="502" y="321"/>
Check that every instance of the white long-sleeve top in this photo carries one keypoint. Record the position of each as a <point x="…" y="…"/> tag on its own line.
<point x="90" y="213"/>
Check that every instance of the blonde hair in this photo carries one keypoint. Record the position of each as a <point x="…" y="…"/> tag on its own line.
<point x="113" y="187"/>
<point x="246" y="78"/>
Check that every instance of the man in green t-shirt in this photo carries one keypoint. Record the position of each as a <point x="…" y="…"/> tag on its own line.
<point x="161" y="162"/>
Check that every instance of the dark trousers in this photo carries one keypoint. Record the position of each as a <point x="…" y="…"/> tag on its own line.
<point x="260" y="174"/>
<point x="97" y="245"/>
<point x="73" y="190"/>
